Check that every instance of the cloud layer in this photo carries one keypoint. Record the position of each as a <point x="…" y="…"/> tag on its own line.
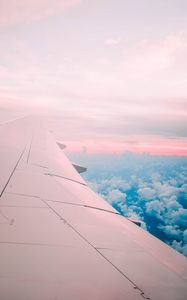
<point x="26" y="11"/>
<point x="148" y="188"/>
<point x="137" y="91"/>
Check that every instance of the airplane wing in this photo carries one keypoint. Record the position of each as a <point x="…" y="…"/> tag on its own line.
<point x="61" y="241"/>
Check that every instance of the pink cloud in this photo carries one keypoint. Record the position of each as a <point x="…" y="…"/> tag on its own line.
<point x="18" y="11"/>
<point x="114" y="149"/>
<point x="144" y="144"/>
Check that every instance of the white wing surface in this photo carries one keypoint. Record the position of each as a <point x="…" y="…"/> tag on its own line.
<point x="61" y="241"/>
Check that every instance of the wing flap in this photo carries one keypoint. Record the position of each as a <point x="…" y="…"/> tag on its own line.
<point x="106" y="233"/>
<point x="42" y="257"/>
<point x="151" y="275"/>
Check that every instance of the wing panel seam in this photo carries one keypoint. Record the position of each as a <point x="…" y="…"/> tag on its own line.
<point x="12" y="172"/>
<point x="83" y="205"/>
<point x="67" y="178"/>
<point x="135" y="286"/>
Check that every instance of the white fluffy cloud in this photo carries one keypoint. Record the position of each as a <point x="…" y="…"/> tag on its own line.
<point x="155" y="208"/>
<point x="157" y="199"/>
<point x="115" y="196"/>
<point x="146" y="193"/>
<point x="172" y="231"/>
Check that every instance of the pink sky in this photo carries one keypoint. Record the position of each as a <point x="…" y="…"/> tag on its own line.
<point x="156" y="147"/>
<point x="112" y="75"/>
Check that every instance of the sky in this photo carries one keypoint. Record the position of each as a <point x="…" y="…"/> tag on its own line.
<point x="111" y="74"/>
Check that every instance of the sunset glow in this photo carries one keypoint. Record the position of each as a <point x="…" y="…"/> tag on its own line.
<point x="155" y="148"/>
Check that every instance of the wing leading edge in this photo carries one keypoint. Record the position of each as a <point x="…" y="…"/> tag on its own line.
<point x="60" y="240"/>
